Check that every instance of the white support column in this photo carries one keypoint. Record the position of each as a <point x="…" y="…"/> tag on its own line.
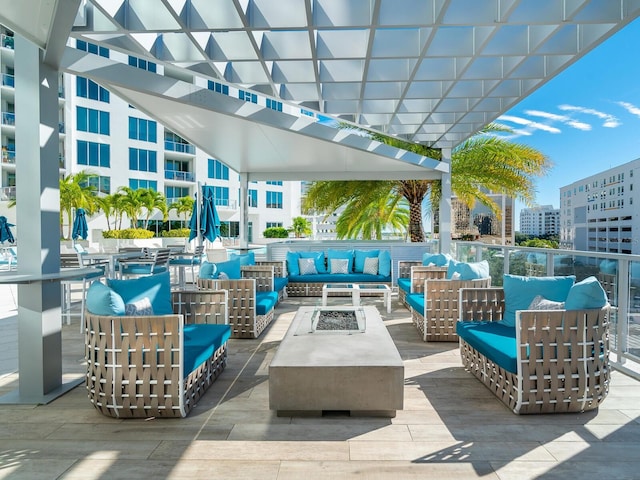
<point x="445" y="206"/>
<point x="244" y="211"/>
<point x="38" y="221"/>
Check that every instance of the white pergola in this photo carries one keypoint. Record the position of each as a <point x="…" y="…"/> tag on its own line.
<point x="428" y="71"/>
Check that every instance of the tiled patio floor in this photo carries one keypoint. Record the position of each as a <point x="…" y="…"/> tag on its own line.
<point x="451" y="425"/>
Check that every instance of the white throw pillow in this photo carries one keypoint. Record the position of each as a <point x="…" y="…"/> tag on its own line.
<point x="370" y="266"/>
<point x="307" y="266"/>
<point x="541" y="303"/>
<point x="140" y="308"/>
<point x="339" y="265"/>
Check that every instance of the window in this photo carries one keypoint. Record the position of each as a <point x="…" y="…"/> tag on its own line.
<point x="141" y="129"/>
<point x="94" y="154"/>
<point x="221" y="196"/>
<point x="247" y="96"/>
<point x="218" y="87"/>
<point x="100" y="184"/>
<point x="274" y="224"/>
<point x="142" y="160"/>
<point x="274" y="200"/>
<point x="271" y="182"/>
<point x="86" y="88"/>
<point x="136" y="183"/>
<point x="92" y="48"/>
<point x="253" y="198"/>
<point x="218" y="170"/>
<point x="176" y="192"/>
<point x="93" y="121"/>
<point x="274" y="105"/>
<point x="142" y="64"/>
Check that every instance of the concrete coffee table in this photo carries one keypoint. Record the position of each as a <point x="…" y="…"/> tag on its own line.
<point x="357" y="371"/>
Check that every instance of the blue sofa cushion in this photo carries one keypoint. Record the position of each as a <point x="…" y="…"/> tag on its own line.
<point x="384" y="263"/>
<point x="585" y="295"/>
<point x="318" y="258"/>
<point x="232" y="268"/>
<point x="437" y="259"/>
<point x="404" y="284"/>
<point x="416" y="301"/>
<point x="265" y="301"/>
<point x="245" y="258"/>
<point x="520" y="291"/>
<point x="495" y="340"/>
<point x="468" y="271"/>
<point x="359" y="256"/>
<point x="292" y="263"/>
<point x="280" y="283"/>
<point x="340" y="254"/>
<point x="200" y="341"/>
<point x="102" y="300"/>
<point x="157" y="288"/>
<point x="339" y="278"/>
<point x="208" y="270"/>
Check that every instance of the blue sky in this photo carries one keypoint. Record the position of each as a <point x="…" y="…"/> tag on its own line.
<point x="587" y="119"/>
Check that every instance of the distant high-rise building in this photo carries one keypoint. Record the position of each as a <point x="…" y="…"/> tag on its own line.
<point x="540" y="220"/>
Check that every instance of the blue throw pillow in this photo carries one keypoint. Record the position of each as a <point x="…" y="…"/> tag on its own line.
<point x="102" y="300"/>
<point x="318" y="258"/>
<point x="468" y="271"/>
<point x="157" y="288"/>
<point x="438" y="259"/>
<point x="586" y="295"/>
<point x="384" y="263"/>
<point x="208" y="270"/>
<point x="519" y="292"/>
<point x="340" y="255"/>
<point x="609" y="267"/>
<point x="292" y="263"/>
<point x="232" y="268"/>
<point x="359" y="257"/>
<point x="245" y="258"/>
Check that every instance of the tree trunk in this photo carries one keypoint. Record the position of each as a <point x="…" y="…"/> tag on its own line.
<point x="416" y="231"/>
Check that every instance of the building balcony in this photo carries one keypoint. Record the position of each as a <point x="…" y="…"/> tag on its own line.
<point x="8" y="119"/>
<point x="225" y="204"/>
<point x="6" y="41"/>
<point x="180" y="176"/>
<point x="172" y="146"/>
<point x="8" y="80"/>
<point x="7" y="193"/>
<point x="8" y="156"/>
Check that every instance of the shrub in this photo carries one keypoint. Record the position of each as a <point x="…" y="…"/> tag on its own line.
<point x="276" y="232"/>
<point x="176" y="232"/>
<point x="128" y="233"/>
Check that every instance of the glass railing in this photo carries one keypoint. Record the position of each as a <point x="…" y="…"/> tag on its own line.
<point x="225" y="203"/>
<point x="177" y="175"/>
<point x="8" y="80"/>
<point x="8" y="118"/>
<point x="7" y="41"/>
<point x="8" y="156"/>
<point x="179" y="147"/>
<point x="61" y="127"/>
<point x="7" y="193"/>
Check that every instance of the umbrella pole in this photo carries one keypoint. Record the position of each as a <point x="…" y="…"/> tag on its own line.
<point x="198" y="213"/>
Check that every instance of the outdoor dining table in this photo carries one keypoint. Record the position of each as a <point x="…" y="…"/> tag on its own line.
<point x="112" y="258"/>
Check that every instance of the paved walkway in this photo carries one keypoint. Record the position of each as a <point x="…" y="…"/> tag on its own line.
<point x="451" y="426"/>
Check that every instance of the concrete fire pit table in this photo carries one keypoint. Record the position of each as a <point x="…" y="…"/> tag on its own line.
<point x="336" y="359"/>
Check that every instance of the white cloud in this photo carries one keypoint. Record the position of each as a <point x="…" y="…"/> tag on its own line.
<point x="630" y="107"/>
<point x="530" y="125"/>
<point x="610" y="121"/>
<point x="560" y="118"/>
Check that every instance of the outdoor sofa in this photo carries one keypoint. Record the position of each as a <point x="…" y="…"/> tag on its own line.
<point x="411" y="280"/>
<point x="540" y="344"/>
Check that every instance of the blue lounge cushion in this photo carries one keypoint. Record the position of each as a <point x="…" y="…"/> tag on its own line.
<point x="416" y="301"/>
<point x="384" y="263"/>
<point x="437" y="259"/>
<point x="280" y="283"/>
<point x="585" y="295"/>
<point x="468" y="271"/>
<point x="208" y="270"/>
<point x="200" y="342"/>
<point x="494" y="340"/>
<point x="265" y="301"/>
<point x="318" y="258"/>
<point x="292" y="263"/>
<point x="359" y="256"/>
<point x="520" y="291"/>
<point x="231" y="268"/>
<point x="340" y="254"/>
<point x="102" y="300"/>
<point x="248" y="258"/>
<point x="157" y="288"/>
<point x="404" y="284"/>
<point x="339" y="278"/>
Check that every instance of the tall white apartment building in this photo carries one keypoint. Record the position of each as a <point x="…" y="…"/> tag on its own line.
<point x="540" y="220"/>
<point x="101" y="133"/>
<point x="597" y="213"/>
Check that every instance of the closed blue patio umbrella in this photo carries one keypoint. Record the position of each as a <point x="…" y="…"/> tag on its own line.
<point x="209" y="222"/>
<point x="5" y="231"/>
<point x="80" y="227"/>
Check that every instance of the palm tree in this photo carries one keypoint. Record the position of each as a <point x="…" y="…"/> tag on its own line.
<point x="132" y="203"/>
<point x="183" y="206"/>
<point x="484" y="162"/>
<point x="300" y="227"/>
<point x="368" y="223"/>
<point x="153" y="200"/>
<point x="76" y="192"/>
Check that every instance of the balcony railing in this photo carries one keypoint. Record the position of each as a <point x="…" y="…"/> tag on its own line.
<point x="7" y="193"/>
<point x="225" y="203"/>
<point x="8" y="118"/>
<point x="8" y="156"/>
<point x="8" y="80"/>
<point x="179" y="147"/>
<point x="7" y="41"/>
<point x="178" y="175"/>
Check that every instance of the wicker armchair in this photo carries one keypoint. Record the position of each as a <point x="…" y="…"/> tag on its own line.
<point x="143" y="366"/>
<point x="562" y="362"/>
<point x="413" y="276"/>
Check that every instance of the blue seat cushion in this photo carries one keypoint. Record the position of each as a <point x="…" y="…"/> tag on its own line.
<point x="292" y="263"/>
<point x="384" y="263"/>
<point x="494" y="340"/>
<point x="404" y="284"/>
<point x="185" y="261"/>
<point x="416" y="301"/>
<point x="265" y="301"/>
<point x="339" y="278"/>
<point x="586" y="294"/>
<point x="340" y="254"/>
<point x="318" y="259"/>
<point x="200" y="341"/>
<point x="437" y="259"/>
<point x="245" y="258"/>
<point x="232" y="268"/>
<point x="360" y="255"/>
<point x="280" y="283"/>
<point x="157" y="288"/>
<point x="208" y="270"/>
<point x="468" y="271"/>
<point x="102" y="300"/>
